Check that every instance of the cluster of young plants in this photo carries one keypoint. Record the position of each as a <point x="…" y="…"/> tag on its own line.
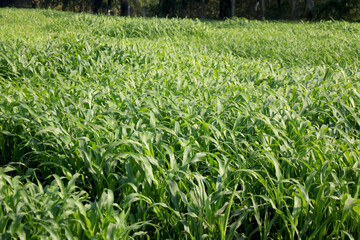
<point x="127" y="128"/>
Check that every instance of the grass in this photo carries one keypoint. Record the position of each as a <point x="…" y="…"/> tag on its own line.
<point x="127" y="128"/>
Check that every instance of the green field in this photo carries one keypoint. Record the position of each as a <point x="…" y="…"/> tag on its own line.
<point x="132" y="128"/>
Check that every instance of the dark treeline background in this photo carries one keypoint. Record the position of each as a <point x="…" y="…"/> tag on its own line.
<point x="212" y="9"/>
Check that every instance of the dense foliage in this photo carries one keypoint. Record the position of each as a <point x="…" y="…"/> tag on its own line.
<point x="117" y="128"/>
<point x="251" y="9"/>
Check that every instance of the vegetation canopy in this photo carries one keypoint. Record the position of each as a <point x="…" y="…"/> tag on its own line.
<point x="206" y="9"/>
<point x="134" y="128"/>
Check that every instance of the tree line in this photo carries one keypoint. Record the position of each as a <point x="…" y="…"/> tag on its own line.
<point x="210" y="9"/>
